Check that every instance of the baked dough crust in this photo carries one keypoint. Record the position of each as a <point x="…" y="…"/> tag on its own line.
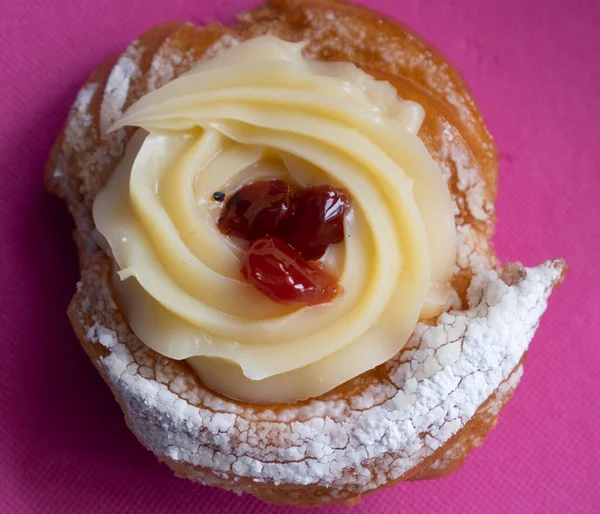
<point x="416" y="416"/>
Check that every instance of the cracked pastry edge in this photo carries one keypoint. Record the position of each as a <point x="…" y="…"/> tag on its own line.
<point x="435" y="386"/>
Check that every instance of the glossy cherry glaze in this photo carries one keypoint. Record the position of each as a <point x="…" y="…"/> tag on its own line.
<point x="256" y="209"/>
<point x="286" y="233"/>
<point x="282" y="274"/>
<point x="317" y="220"/>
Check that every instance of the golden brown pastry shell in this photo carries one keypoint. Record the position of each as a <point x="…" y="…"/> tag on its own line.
<point x="334" y="31"/>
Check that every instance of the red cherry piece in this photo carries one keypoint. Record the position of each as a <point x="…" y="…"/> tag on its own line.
<point x="282" y="274"/>
<point x="256" y="209"/>
<point x="317" y="221"/>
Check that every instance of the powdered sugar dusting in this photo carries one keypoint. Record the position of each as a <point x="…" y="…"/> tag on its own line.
<point x="488" y="414"/>
<point x="163" y="65"/>
<point x="468" y="177"/>
<point x="80" y="120"/>
<point x="98" y="334"/>
<point x="436" y="385"/>
<point x="165" y="62"/>
<point x="117" y="86"/>
<point x="220" y="45"/>
<point x="83" y="100"/>
<point x="468" y="256"/>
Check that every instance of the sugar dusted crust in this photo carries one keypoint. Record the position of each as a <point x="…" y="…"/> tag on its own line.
<point x="416" y="416"/>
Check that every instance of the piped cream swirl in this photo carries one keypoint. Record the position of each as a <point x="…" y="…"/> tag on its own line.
<point x="261" y="110"/>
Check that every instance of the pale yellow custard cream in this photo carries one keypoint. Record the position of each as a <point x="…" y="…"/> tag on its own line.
<point x="260" y="110"/>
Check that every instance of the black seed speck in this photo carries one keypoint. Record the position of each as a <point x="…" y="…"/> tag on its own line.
<point x="219" y="196"/>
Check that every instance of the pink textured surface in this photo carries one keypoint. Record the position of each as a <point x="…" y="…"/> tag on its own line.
<point x="534" y="68"/>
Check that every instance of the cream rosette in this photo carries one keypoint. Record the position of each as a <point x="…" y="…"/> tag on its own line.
<point x="261" y="110"/>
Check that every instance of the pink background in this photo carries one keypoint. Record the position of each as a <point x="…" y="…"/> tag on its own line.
<point x="534" y="67"/>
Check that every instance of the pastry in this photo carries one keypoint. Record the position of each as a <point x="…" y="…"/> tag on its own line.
<point x="284" y="238"/>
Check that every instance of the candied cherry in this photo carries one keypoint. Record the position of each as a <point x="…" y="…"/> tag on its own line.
<point x="256" y="209"/>
<point x="282" y="274"/>
<point x="317" y="221"/>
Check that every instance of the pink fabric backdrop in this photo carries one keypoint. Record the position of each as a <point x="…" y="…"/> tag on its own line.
<point x="534" y="67"/>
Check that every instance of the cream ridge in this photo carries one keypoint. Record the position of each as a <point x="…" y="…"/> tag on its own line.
<point x="261" y="110"/>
